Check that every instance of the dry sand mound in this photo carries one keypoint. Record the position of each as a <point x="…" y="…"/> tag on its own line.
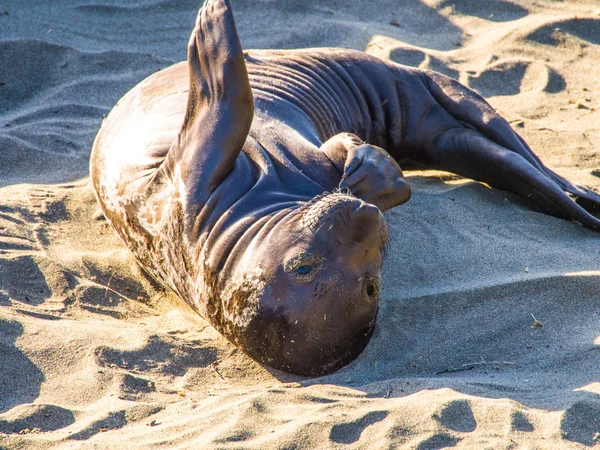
<point x="94" y="355"/>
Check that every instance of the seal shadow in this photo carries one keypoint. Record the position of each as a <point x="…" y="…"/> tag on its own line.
<point x="20" y="379"/>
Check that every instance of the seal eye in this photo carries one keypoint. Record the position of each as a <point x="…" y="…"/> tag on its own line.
<point x="303" y="270"/>
<point x="304" y="266"/>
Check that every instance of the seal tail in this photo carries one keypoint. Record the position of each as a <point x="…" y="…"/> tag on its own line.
<point x="483" y="146"/>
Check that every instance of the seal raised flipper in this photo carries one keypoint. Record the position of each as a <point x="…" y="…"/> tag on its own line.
<point x="487" y="149"/>
<point x="220" y="107"/>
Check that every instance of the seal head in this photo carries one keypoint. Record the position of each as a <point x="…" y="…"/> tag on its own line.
<point x="311" y="308"/>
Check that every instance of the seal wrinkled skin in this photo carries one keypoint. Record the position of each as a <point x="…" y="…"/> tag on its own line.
<point x="252" y="183"/>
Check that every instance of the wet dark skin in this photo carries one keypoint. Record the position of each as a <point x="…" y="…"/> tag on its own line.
<point x="253" y="183"/>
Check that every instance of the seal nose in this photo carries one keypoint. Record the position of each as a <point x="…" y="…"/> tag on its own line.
<point x="366" y="220"/>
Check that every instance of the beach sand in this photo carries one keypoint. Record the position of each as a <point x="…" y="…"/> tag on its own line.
<point x="489" y="329"/>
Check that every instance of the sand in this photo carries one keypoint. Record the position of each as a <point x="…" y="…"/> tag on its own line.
<point x="489" y="329"/>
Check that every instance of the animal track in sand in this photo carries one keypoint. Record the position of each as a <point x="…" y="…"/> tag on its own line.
<point x="456" y="415"/>
<point x="558" y="33"/>
<point x="438" y="441"/>
<point x="515" y="76"/>
<point x="520" y="422"/>
<point x="36" y="417"/>
<point x="29" y="287"/>
<point x="20" y="380"/>
<point x="401" y="53"/>
<point x="116" y="419"/>
<point x="417" y="58"/>
<point x="132" y="388"/>
<point x="349" y="432"/>
<point x="107" y="300"/>
<point x="581" y="423"/>
<point x="16" y="234"/>
<point x="164" y="355"/>
<point x="235" y="436"/>
<point x="315" y="399"/>
<point x="497" y="11"/>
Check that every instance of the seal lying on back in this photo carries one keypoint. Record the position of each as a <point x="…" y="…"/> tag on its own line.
<point x="252" y="184"/>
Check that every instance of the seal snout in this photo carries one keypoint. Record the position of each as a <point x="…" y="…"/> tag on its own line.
<point x="366" y="223"/>
<point x="349" y="219"/>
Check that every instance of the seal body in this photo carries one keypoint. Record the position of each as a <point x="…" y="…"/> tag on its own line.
<point x="252" y="184"/>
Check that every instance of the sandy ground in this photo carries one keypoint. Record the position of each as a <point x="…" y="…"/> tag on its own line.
<point x="94" y="355"/>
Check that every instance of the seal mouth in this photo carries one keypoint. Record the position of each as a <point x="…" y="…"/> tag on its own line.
<point x="356" y="344"/>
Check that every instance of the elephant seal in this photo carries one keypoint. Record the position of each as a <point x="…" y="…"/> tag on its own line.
<point x="252" y="183"/>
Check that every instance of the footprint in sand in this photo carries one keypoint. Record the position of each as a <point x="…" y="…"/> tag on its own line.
<point x="316" y="399"/>
<point x="520" y="422"/>
<point x="160" y="355"/>
<point x="581" y="423"/>
<point x="456" y="415"/>
<point x="115" y="420"/>
<point x="416" y="58"/>
<point x="438" y="441"/>
<point x="20" y="379"/>
<point x="401" y="53"/>
<point x="349" y="432"/>
<point x="16" y="234"/>
<point x="515" y="76"/>
<point x="132" y="388"/>
<point x="36" y="417"/>
<point x="23" y="281"/>
<point x="235" y="436"/>
<point x="497" y="11"/>
<point x="558" y="33"/>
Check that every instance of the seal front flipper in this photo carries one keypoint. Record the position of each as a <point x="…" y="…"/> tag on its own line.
<point x="220" y="107"/>
<point x="368" y="171"/>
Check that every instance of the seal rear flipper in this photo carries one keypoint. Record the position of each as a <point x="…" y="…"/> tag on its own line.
<point x="582" y="195"/>
<point x="484" y="131"/>
<point x="468" y="153"/>
<point x="220" y="106"/>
